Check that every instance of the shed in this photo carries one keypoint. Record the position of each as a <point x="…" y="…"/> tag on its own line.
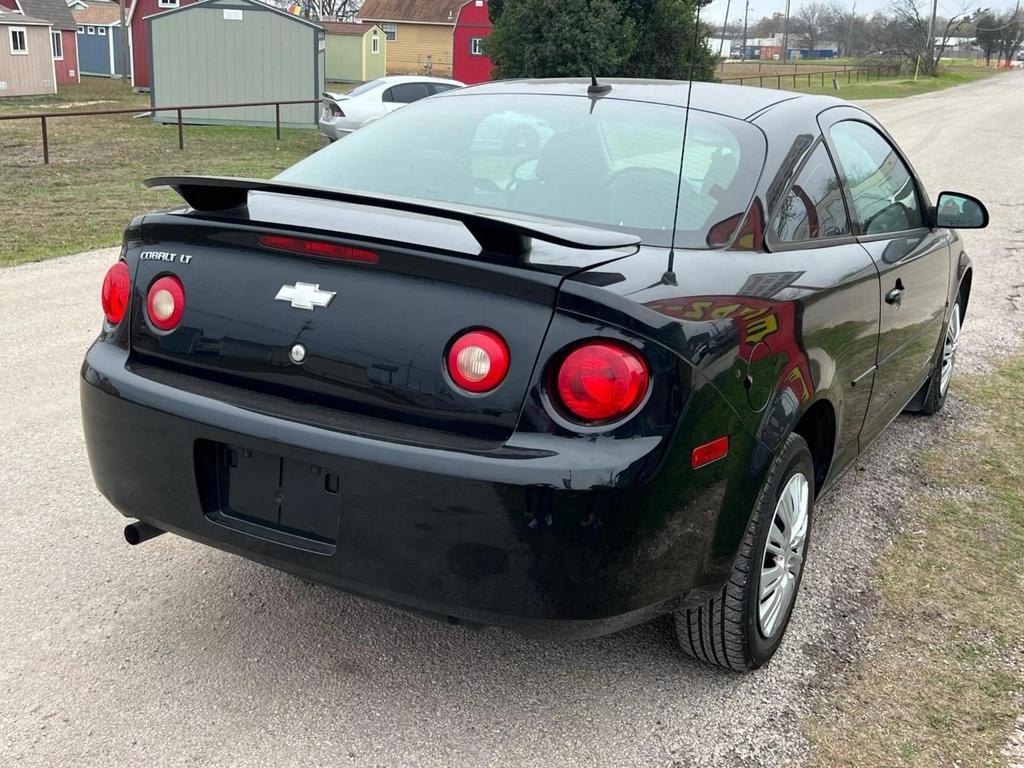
<point x="26" y="56"/>
<point x="470" y="65"/>
<point x="355" y="52"/>
<point x="235" y="51"/>
<point x="99" y="39"/>
<point x="419" y="33"/>
<point x="62" y="33"/>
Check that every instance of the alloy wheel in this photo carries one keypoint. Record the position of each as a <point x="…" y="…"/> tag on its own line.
<point x="949" y="350"/>
<point x="783" y="555"/>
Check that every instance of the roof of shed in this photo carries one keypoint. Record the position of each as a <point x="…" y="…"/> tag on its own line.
<point x="261" y="6"/>
<point x="6" y="17"/>
<point x="98" y="13"/>
<point x="54" y="11"/>
<point x="346" y="28"/>
<point x="421" y="11"/>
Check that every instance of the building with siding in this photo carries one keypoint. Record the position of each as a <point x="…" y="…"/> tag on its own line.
<point x="63" y="42"/>
<point x="26" y="56"/>
<point x="234" y="51"/>
<point x="99" y="39"/>
<point x="138" y="35"/>
<point x="355" y="52"/>
<point x="470" y="65"/>
<point x="419" y="33"/>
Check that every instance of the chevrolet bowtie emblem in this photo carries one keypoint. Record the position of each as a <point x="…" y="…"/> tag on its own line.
<point x="305" y="295"/>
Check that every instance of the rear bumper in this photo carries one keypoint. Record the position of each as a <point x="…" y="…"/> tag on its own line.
<point x="332" y="130"/>
<point x="556" y="537"/>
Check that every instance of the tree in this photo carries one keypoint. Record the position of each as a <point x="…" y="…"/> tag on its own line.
<point x="903" y="34"/>
<point x="809" y="23"/>
<point x="988" y="33"/>
<point x="665" y="37"/>
<point x="848" y="29"/>
<point x="538" y="38"/>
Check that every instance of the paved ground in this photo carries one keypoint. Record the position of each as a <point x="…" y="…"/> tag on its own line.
<point x="174" y="654"/>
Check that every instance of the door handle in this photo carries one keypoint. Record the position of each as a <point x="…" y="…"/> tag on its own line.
<point x="895" y="296"/>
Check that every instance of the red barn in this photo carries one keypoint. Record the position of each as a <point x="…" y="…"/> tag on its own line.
<point x="64" y="39"/>
<point x="139" y="40"/>
<point x="469" y="63"/>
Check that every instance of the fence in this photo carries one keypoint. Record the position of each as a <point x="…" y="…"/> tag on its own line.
<point x="42" y="117"/>
<point x="852" y="75"/>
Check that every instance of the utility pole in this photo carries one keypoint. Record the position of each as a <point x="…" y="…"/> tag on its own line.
<point x="785" y="34"/>
<point x="930" y="48"/>
<point x="124" y="43"/>
<point x="742" y="48"/>
<point x="725" y="27"/>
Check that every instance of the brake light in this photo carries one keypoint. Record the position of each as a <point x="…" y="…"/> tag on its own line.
<point x="335" y="110"/>
<point x="318" y="248"/>
<point x="602" y="381"/>
<point x="165" y="303"/>
<point x="114" y="293"/>
<point x="478" y="361"/>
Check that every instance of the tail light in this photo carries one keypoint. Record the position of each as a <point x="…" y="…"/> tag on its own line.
<point x="478" y="361"/>
<point x="114" y="294"/>
<point x="165" y="303"/>
<point x="335" y="109"/>
<point x="319" y="248"/>
<point x="601" y="381"/>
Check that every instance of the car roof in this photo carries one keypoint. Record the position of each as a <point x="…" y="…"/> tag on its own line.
<point x="731" y="100"/>
<point x="392" y="79"/>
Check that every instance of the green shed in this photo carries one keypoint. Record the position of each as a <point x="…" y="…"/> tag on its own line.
<point x="231" y="52"/>
<point x="355" y="52"/>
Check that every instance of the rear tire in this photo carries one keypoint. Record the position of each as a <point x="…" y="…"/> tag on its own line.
<point x="737" y="629"/>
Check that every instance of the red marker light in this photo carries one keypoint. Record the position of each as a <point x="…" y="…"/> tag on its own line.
<point x="318" y="248"/>
<point x="114" y="294"/>
<point x="478" y="361"/>
<point x="709" y="452"/>
<point x="602" y="381"/>
<point x="165" y="303"/>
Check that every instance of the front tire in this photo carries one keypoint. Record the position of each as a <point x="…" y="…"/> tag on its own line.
<point x="741" y="627"/>
<point x="945" y="363"/>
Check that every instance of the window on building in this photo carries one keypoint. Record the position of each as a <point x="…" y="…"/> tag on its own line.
<point x="476" y="46"/>
<point x="81" y="30"/>
<point x="168" y="3"/>
<point x="390" y="31"/>
<point x="19" y="42"/>
<point x="813" y="208"/>
<point x="58" y="47"/>
<point x="90" y="30"/>
<point x="375" y="43"/>
<point x="101" y="31"/>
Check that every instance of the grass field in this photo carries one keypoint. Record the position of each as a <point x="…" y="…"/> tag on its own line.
<point x="854" y="87"/>
<point x="939" y="683"/>
<point x="92" y="187"/>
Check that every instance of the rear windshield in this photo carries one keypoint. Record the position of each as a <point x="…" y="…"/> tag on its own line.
<point x="608" y="163"/>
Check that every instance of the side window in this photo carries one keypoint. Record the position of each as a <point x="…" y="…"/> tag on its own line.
<point x="441" y="88"/>
<point x="813" y="208"/>
<point x="883" y="197"/>
<point x="406" y="93"/>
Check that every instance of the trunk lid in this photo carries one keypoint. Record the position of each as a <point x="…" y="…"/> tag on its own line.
<point x="377" y="348"/>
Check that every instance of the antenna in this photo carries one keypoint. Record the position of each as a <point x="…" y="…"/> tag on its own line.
<point x="595" y="88"/>
<point x="669" y="278"/>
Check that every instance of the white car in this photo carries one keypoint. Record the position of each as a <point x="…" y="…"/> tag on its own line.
<point x="343" y="113"/>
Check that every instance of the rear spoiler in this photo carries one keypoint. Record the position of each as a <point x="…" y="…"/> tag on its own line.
<point x="496" y="232"/>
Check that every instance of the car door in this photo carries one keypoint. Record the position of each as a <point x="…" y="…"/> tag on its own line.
<point x="836" y="327"/>
<point x="889" y="216"/>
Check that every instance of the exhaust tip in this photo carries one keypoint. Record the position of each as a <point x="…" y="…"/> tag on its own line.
<point x="136" y="533"/>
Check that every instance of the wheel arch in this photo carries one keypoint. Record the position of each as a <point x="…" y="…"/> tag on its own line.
<point x="817" y="426"/>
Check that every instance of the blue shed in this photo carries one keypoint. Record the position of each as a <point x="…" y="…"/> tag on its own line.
<point x="99" y="38"/>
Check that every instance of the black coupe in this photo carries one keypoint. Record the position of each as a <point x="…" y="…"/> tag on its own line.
<point x="563" y="385"/>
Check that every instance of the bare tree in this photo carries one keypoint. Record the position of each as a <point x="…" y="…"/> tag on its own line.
<point x="903" y="34"/>
<point x="810" y="22"/>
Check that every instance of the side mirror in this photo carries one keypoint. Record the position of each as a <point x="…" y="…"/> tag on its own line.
<point x="955" y="210"/>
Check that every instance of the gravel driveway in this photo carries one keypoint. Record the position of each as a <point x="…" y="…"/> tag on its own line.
<point x="175" y="654"/>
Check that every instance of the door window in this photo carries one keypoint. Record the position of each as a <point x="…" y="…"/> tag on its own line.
<point x="406" y="93"/>
<point x="883" y="196"/>
<point x="813" y="208"/>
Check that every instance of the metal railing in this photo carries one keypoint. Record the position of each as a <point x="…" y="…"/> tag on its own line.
<point x="42" y="117"/>
<point x="851" y="74"/>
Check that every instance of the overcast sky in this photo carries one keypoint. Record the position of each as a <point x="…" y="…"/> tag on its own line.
<point x="715" y="13"/>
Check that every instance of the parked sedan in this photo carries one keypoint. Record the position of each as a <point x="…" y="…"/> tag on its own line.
<point x="564" y="388"/>
<point x="342" y="113"/>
